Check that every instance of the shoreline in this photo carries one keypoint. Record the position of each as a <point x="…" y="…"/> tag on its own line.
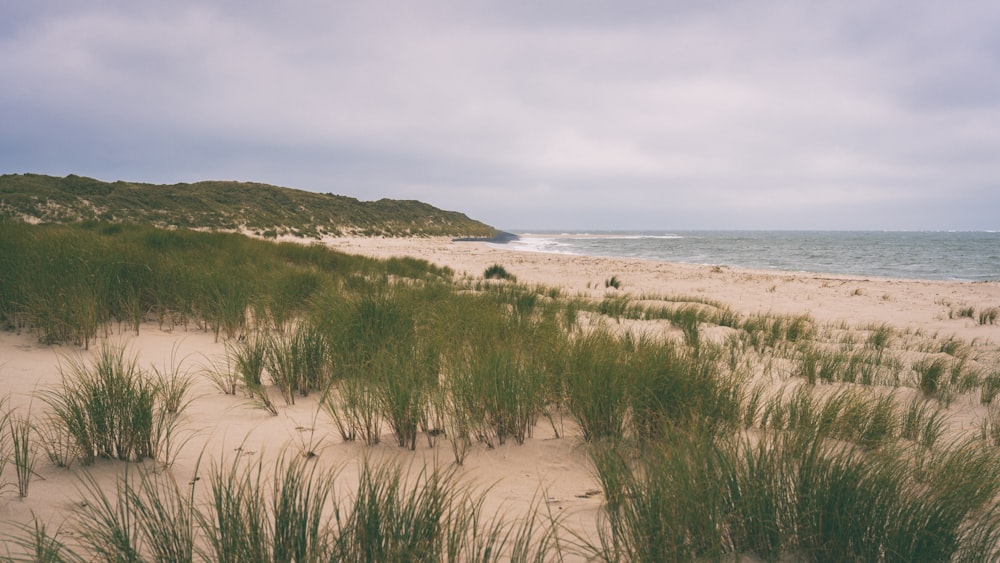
<point x="895" y="255"/>
<point x="909" y="303"/>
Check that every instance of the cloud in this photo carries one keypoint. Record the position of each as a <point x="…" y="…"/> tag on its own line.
<point x="565" y="114"/>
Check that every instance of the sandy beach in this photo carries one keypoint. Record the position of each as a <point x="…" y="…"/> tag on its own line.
<point x="553" y="472"/>
<point x="827" y="297"/>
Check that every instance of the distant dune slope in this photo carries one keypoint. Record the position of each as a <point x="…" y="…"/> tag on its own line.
<point x="260" y="208"/>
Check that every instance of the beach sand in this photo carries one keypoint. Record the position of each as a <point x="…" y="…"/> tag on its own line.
<point x="554" y="472"/>
<point x="915" y="304"/>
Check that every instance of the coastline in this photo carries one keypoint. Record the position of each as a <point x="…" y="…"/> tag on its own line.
<point x="931" y="255"/>
<point x="857" y="300"/>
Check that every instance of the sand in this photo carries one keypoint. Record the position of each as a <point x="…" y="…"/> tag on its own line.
<point x="827" y="297"/>
<point x="552" y="471"/>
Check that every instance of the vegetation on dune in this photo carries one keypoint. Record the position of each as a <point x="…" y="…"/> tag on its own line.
<point x="68" y="282"/>
<point x="498" y="272"/>
<point x="713" y="435"/>
<point x="260" y="208"/>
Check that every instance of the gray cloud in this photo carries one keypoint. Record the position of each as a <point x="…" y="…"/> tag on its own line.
<point x="564" y="115"/>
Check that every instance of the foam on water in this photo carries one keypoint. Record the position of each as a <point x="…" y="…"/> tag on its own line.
<point x="966" y="256"/>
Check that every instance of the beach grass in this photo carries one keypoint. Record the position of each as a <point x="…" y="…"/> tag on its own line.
<point x="23" y="449"/>
<point x="498" y="272"/>
<point x="783" y="495"/>
<point x="97" y="274"/>
<point x="785" y="439"/>
<point x="295" y="511"/>
<point x="106" y="406"/>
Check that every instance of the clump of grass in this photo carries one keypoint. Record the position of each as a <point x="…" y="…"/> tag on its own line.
<point x="769" y="331"/>
<point x="990" y="425"/>
<point x="235" y="521"/>
<point x="989" y="316"/>
<point x="108" y="407"/>
<point x="930" y="374"/>
<point x="41" y="546"/>
<point x="404" y="379"/>
<point x="990" y="387"/>
<point x="617" y="307"/>
<point x="857" y="415"/>
<point x="457" y="425"/>
<point x="688" y="318"/>
<point x="672" y="385"/>
<point x="923" y="422"/>
<point x="596" y="386"/>
<point x="962" y="311"/>
<point x="954" y="347"/>
<point x="498" y="272"/>
<point x="300" y="495"/>
<point x="59" y="445"/>
<point x="613" y="282"/>
<point x="701" y="496"/>
<point x="354" y="407"/>
<point x="429" y="518"/>
<point x="944" y="378"/>
<point x="500" y="389"/>
<point x="249" y="358"/>
<point x="817" y="364"/>
<point x="23" y="451"/>
<point x="173" y="384"/>
<point x="224" y="374"/>
<point x="391" y="521"/>
<point x="109" y="527"/>
<point x="4" y="446"/>
<point x="299" y="361"/>
<point x="665" y="506"/>
<point x="880" y="336"/>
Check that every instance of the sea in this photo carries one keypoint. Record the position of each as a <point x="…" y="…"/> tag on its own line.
<point x="972" y="256"/>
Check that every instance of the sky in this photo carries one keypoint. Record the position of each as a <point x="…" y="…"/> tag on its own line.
<point x="562" y="114"/>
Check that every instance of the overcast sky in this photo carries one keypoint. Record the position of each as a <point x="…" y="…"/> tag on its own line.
<point x="567" y="114"/>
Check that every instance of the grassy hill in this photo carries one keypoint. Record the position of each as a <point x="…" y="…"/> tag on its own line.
<point x="263" y="209"/>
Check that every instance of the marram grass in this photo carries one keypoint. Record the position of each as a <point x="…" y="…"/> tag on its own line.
<point x="292" y="512"/>
<point x="695" y="459"/>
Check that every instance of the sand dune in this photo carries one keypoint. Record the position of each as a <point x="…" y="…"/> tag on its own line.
<point x="554" y="471"/>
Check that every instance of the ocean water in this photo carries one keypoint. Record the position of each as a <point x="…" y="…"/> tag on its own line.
<point x="963" y="256"/>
